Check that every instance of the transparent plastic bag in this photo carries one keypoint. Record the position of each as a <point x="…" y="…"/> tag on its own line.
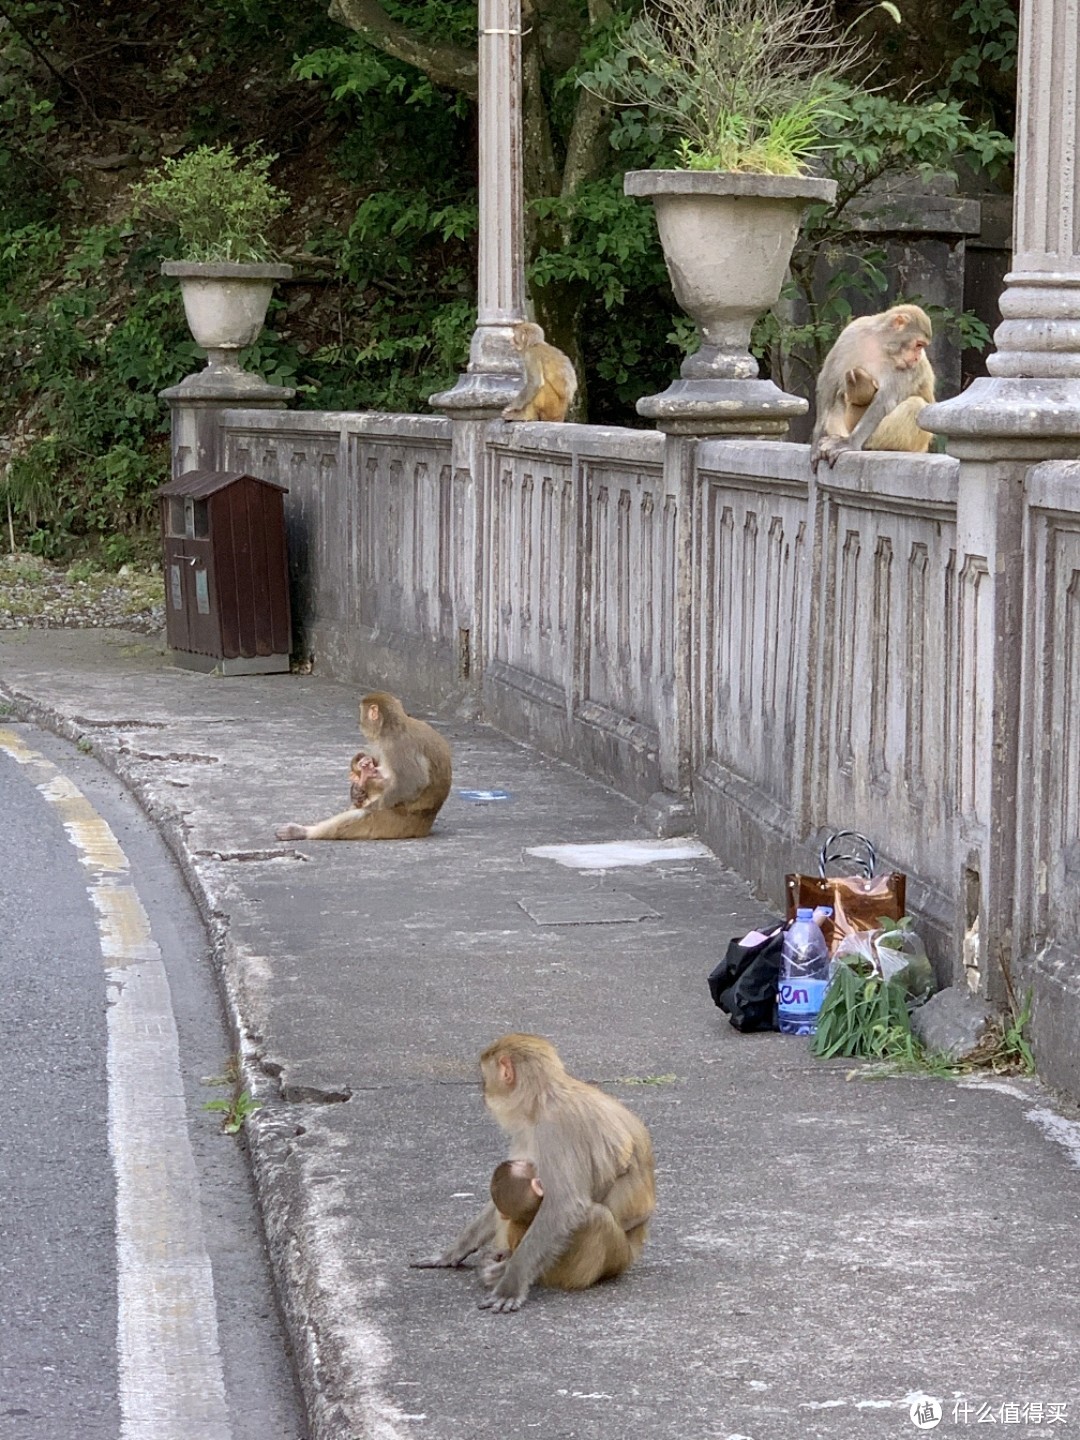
<point x="895" y="953"/>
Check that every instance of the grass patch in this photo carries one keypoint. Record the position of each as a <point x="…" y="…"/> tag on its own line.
<point x="866" y="1017"/>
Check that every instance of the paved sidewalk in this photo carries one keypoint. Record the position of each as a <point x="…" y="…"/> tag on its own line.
<point x="825" y="1251"/>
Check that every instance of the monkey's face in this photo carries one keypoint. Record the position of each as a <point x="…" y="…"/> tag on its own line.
<point x="910" y="353"/>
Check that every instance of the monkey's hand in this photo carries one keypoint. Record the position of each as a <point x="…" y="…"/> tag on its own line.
<point x="504" y="1299"/>
<point x="509" y="1290"/>
<point x="492" y="1268"/>
<point x="292" y="832"/>
<point x="827" y="449"/>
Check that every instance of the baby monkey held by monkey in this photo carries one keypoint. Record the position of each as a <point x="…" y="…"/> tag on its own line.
<point x="598" y="1251"/>
<point x="366" y="780"/>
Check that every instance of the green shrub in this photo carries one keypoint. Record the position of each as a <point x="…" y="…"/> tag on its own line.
<point x="743" y="84"/>
<point x="221" y="204"/>
<point x="92" y="335"/>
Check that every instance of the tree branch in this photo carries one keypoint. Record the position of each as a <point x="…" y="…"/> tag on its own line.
<point x="451" y="66"/>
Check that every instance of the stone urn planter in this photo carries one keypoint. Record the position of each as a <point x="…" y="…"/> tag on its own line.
<point x="727" y="240"/>
<point x="226" y="304"/>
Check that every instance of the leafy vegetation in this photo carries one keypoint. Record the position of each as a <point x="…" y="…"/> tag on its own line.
<point x="744" y="85"/>
<point x="220" y="205"/>
<point x="240" y="1105"/>
<point x="871" y="141"/>
<point x="371" y="118"/>
<point x="865" y="1016"/>
<point x="92" y="335"/>
<point x="234" y="1112"/>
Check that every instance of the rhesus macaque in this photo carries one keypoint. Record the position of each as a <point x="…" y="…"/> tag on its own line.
<point x="406" y="789"/>
<point x="550" y="379"/>
<point x="596" y="1161"/>
<point x="873" y="385"/>
<point x="366" y="780"/>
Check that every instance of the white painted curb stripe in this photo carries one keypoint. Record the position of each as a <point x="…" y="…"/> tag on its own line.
<point x="171" y="1382"/>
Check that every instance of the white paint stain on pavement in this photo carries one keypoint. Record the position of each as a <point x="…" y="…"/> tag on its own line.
<point x="1065" y="1133"/>
<point x="913" y="1397"/>
<point x="614" y="854"/>
<point x="171" y="1381"/>
<point x="1059" y="1128"/>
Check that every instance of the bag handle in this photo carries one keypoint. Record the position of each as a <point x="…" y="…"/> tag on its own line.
<point x="848" y="847"/>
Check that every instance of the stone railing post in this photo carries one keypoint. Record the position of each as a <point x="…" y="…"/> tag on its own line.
<point x="1026" y="410"/>
<point x="195" y="428"/>
<point x="493" y="378"/>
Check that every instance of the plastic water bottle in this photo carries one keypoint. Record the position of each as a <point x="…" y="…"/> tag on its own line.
<point x="804" y="976"/>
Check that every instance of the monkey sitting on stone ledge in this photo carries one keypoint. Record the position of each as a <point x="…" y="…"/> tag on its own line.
<point x="550" y="379"/>
<point x="874" y="384"/>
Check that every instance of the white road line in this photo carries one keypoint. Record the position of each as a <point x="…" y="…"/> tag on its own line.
<point x="171" y="1382"/>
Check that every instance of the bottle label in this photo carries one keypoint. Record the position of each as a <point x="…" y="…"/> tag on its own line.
<point x="802" y="997"/>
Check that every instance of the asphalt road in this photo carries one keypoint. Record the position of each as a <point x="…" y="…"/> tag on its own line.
<point x="85" y="1119"/>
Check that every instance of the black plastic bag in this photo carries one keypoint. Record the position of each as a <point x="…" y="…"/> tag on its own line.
<point x="744" y="983"/>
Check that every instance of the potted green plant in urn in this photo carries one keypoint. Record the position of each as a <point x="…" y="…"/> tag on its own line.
<point x="743" y="87"/>
<point x="222" y="206"/>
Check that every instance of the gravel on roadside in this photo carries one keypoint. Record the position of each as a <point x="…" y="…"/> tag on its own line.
<point x="79" y="596"/>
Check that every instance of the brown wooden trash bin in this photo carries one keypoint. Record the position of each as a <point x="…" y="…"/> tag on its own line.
<point x="226" y="572"/>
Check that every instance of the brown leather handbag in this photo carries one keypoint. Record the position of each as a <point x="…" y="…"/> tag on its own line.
<point x="860" y="896"/>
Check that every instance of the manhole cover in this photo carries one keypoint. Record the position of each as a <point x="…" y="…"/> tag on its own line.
<point x="605" y="907"/>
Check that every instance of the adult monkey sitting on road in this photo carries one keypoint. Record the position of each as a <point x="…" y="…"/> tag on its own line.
<point x="595" y="1157"/>
<point x="874" y="384"/>
<point x="406" y="785"/>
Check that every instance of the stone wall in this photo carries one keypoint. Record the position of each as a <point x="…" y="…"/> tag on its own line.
<point x="706" y="622"/>
<point x="1047" y="829"/>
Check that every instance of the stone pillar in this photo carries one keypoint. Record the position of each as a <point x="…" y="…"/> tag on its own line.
<point x="225" y="305"/>
<point x="196" y="413"/>
<point x="493" y="378"/>
<point x="1026" y="410"/>
<point x="670" y="811"/>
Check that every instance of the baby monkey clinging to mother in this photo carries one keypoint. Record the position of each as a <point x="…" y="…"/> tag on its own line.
<point x="874" y="384"/>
